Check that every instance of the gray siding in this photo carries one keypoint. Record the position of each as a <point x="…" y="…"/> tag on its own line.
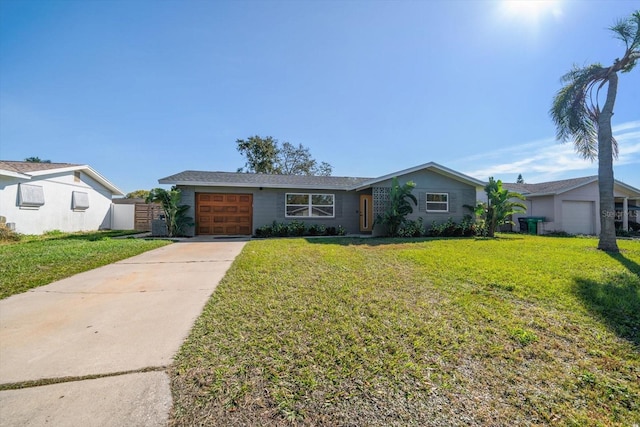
<point x="460" y="194"/>
<point x="268" y="206"/>
<point x="269" y="203"/>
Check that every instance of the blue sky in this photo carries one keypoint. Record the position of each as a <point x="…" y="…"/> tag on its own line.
<point x="144" y="89"/>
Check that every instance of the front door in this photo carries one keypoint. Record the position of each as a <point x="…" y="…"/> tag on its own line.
<point x="366" y="212"/>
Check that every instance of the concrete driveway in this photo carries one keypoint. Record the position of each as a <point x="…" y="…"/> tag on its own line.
<point x="105" y="338"/>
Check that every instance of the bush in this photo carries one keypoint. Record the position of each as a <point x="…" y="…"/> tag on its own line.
<point x="8" y="235"/>
<point x="450" y="228"/>
<point x="297" y="229"/>
<point x="411" y="228"/>
<point x="317" y="230"/>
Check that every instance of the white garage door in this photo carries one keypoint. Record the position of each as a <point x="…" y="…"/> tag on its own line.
<point x="578" y="217"/>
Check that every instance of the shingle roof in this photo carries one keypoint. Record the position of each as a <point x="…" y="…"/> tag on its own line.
<point x="26" y="167"/>
<point x="235" y="179"/>
<point x="28" y="170"/>
<point x="550" y="187"/>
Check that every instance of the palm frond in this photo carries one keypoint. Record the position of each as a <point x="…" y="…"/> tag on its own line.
<point x="624" y="30"/>
<point x="573" y="109"/>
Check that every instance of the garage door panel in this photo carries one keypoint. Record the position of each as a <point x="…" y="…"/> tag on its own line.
<point x="578" y="217"/>
<point x="224" y="214"/>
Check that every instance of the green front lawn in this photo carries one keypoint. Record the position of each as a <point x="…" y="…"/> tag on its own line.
<point x="38" y="260"/>
<point x="519" y="330"/>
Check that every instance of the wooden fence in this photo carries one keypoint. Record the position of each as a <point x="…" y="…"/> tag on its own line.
<point x="144" y="214"/>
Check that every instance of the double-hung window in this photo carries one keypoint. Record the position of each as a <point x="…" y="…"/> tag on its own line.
<point x="309" y="205"/>
<point x="437" y="202"/>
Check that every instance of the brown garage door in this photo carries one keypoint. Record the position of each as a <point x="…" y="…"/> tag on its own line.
<point x="224" y="214"/>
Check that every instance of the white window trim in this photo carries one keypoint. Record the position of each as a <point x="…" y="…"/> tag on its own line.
<point x="310" y="205"/>
<point x="426" y="197"/>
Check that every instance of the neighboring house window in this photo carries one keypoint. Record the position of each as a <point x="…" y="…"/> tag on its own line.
<point x="309" y="205"/>
<point x="79" y="201"/>
<point x="437" y="202"/>
<point x="30" y="196"/>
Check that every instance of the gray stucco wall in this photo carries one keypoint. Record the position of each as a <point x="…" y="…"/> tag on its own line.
<point x="269" y="206"/>
<point x="426" y="181"/>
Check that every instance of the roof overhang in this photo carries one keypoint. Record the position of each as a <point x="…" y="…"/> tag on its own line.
<point x="427" y="166"/>
<point x="249" y="185"/>
<point x="84" y="168"/>
<point x="617" y="183"/>
<point x="628" y="187"/>
<point x="12" y="174"/>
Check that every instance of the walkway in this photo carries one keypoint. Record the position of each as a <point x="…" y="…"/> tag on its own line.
<point x="100" y="341"/>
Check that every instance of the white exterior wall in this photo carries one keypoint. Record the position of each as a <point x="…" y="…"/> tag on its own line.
<point x="57" y="212"/>
<point x="586" y="193"/>
<point x="123" y="217"/>
<point x="551" y="206"/>
<point x="539" y="206"/>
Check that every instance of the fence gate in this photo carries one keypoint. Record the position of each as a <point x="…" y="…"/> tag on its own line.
<point x="144" y="214"/>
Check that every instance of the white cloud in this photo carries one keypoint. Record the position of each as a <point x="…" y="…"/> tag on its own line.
<point x="547" y="159"/>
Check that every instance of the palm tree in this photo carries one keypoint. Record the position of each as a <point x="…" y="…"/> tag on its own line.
<point x="578" y="116"/>
<point x="498" y="208"/>
<point x="398" y="207"/>
<point x="174" y="214"/>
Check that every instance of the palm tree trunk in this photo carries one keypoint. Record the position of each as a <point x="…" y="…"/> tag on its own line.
<point x="605" y="170"/>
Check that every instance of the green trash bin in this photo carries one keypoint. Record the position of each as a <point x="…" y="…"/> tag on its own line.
<point x="532" y="223"/>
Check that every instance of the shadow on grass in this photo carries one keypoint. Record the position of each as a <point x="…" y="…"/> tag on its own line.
<point x="616" y="301"/>
<point x="378" y="241"/>
<point x="90" y="236"/>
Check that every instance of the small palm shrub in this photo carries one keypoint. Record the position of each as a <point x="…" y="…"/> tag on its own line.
<point x="399" y="206"/>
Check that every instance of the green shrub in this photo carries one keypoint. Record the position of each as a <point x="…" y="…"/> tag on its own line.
<point x="8" y="235"/>
<point x="411" y="228"/>
<point x="317" y="230"/>
<point x="450" y="228"/>
<point x="297" y="229"/>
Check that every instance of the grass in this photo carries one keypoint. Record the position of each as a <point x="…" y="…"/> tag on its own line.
<point x="38" y="260"/>
<point x="519" y="330"/>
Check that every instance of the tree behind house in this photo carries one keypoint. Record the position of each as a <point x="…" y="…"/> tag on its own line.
<point x="266" y="155"/>
<point x="138" y="194"/>
<point x="36" y="160"/>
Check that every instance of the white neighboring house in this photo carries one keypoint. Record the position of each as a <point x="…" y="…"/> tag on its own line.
<point x="39" y="197"/>
<point x="572" y="205"/>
